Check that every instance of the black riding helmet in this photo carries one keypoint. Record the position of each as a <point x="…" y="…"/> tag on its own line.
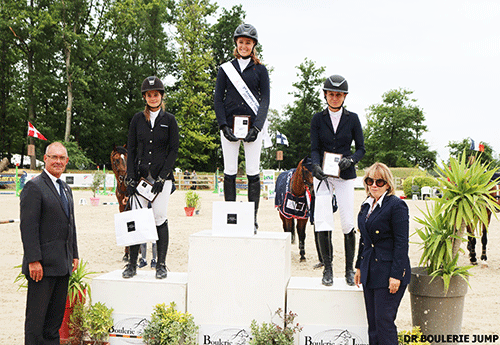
<point x="336" y="83"/>
<point x="151" y="84"/>
<point x="246" y="30"/>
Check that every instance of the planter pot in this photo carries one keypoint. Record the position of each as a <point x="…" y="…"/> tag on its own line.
<point x="434" y="311"/>
<point x="64" y="330"/>
<point x="91" y="342"/>
<point x="189" y="211"/>
<point x="94" y="201"/>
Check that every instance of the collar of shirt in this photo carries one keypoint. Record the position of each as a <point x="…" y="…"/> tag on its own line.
<point x="243" y="63"/>
<point x="335" y="117"/>
<point x="152" y="116"/>
<point x="370" y="200"/>
<point x="53" y="179"/>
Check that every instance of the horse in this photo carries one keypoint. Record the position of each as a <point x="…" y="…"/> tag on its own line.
<point x="119" y="165"/>
<point x="471" y="244"/>
<point x="293" y="197"/>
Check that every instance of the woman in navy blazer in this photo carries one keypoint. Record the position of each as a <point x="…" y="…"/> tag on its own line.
<point x="383" y="265"/>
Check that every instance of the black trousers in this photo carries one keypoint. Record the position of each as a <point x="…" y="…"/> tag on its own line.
<point x="381" y="310"/>
<point x="45" y="306"/>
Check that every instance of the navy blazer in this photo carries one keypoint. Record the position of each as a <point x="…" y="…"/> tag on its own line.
<point x="325" y="139"/>
<point x="152" y="150"/>
<point x="228" y="101"/>
<point x="48" y="234"/>
<point x="383" y="246"/>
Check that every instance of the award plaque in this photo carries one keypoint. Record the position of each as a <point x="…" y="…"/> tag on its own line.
<point x="241" y="126"/>
<point x="144" y="189"/>
<point x="331" y="164"/>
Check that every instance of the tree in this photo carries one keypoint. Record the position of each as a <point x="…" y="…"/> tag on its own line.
<point x="191" y="96"/>
<point x="393" y="133"/>
<point x="457" y="147"/>
<point x="297" y="123"/>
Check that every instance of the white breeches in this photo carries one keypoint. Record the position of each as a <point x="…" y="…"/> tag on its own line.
<point x="160" y="204"/>
<point x="323" y="211"/>
<point x="230" y="150"/>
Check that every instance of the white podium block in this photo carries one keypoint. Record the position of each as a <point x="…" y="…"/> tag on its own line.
<point x="233" y="218"/>
<point x="233" y="280"/>
<point x="133" y="300"/>
<point x="327" y="313"/>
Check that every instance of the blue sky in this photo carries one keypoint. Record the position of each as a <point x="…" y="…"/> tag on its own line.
<point x="447" y="52"/>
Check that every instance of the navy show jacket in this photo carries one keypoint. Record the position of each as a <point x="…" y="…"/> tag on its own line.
<point x="325" y="139"/>
<point x="383" y="245"/>
<point x="228" y="101"/>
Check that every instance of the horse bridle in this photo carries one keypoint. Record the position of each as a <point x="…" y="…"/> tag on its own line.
<point x="121" y="178"/>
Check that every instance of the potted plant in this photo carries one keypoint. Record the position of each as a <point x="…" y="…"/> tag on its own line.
<point x="437" y="288"/>
<point x="78" y="289"/>
<point x="192" y="202"/>
<point x="169" y="327"/>
<point x="275" y="334"/>
<point x="97" y="179"/>
<point x="90" y="324"/>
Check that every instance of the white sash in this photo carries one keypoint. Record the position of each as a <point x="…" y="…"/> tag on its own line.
<point x="247" y="95"/>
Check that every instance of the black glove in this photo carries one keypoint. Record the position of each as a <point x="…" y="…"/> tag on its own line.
<point x="252" y="135"/>
<point x="158" y="185"/>
<point x="228" y="133"/>
<point x="345" y="163"/>
<point x="318" y="172"/>
<point x="131" y="187"/>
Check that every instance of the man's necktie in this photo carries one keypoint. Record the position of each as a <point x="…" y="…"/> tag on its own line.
<point x="63" y="197"/>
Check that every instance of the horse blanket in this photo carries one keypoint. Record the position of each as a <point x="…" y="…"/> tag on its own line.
<point x="288" y="204"/>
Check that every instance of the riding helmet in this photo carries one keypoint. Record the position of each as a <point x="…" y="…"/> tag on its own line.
<point x="152" y="83"/>
<point x="246" y="30"/>
<point x="336" y="83"/>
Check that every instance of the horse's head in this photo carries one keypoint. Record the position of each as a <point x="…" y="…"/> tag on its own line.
<point x="305" y="166"/>
<point x="119" y="162"/>
<point x="495" y="193"/>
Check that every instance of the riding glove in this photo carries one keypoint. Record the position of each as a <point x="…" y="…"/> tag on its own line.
<point x="345" y="163"/>
<point x="228" y="133"/>
<point x="158" y="185"/>
<point x="318" y="172"/>
<point x="252" y="135"/>
<point x="131" y="187"/>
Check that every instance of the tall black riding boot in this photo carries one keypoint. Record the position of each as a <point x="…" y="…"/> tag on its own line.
<point x="349" y="248"/>
<point x="229" y="187"/>
<point x="254" y="195"/>
<point x="320" y="259"/>
<point x="326" y="249"/>
<point x="131" y="267"/>
<point x="162" y="247"/>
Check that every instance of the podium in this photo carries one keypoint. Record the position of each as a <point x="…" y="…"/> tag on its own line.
<point x="234" y="280"/>
<point x="328" y="313"/>
<point x="133" y="300"/>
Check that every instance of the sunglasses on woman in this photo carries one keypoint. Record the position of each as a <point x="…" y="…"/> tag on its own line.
<point x="379" y="182"/>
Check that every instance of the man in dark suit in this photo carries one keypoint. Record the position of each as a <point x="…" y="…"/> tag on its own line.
<point x="50" y="250"/>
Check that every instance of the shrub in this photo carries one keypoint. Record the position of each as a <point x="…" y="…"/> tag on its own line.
<point x="419" y="181"/>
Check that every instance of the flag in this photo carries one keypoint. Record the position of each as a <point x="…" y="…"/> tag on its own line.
<point x="481" y="147"/>
<point x="472" y="145"/>
<point x="33" y="132"/>
<point x="281" y="139"/>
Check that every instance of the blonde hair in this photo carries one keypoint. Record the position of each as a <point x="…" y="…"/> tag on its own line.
<point x="381" y="170"/>
<point x="147" y="112"/>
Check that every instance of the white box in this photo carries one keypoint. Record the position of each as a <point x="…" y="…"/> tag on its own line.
<point x="134" y="299"/>
<point x="327" y="311"/>
<point x="230" y="218"/>
<point x="233" y="280"/>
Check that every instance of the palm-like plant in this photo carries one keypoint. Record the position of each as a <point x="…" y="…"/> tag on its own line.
<point x="466" y="198"/>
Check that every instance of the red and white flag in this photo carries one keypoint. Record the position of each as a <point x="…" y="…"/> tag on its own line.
<point x="33" y="132"/>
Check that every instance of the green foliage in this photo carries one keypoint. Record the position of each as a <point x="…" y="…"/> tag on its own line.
<point x="170" y="327"/>
<point x="457" y="147"/>
<point x="77" y="157"/>
<point x="92" y="322"/>
<point x="465" y="201"/>
<point x="97" y="179"/>
<point x="414" y="332"/>
<point x="275" y="334"/>
<point x="297" y="117"/>
<point x="393" y="133"/>
<point x="420" y="181"/>
<point x="78" y="283"/>
<point x="192" y="199"/>
<point x="97" y="321"/>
